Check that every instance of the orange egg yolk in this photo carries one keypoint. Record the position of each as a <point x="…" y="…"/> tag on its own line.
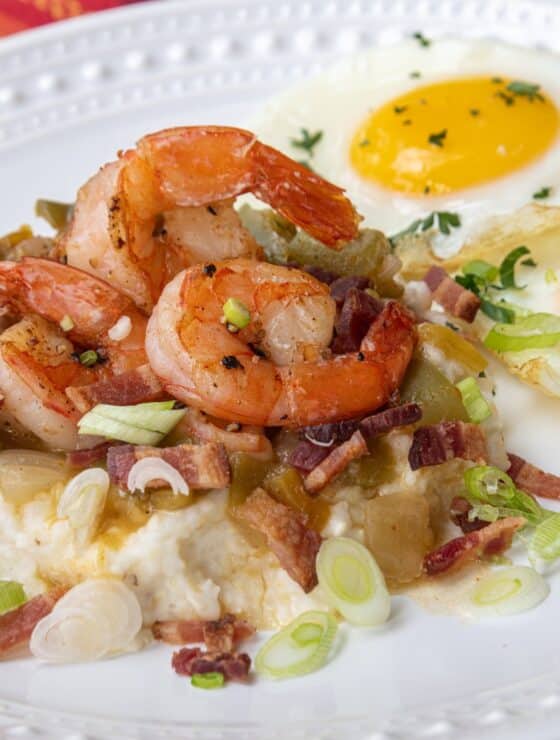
<point x="450" y="135"/>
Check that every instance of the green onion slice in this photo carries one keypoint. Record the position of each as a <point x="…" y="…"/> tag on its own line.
<point x="507" y="268"/>
<point x="211" y="680"/>
<point x="474" y="402"/>
<point x="537" y="331"/>
<point x="545" y="544"/>
<point x="352" y="582"/>
<point x="145" y="423"/>
<point x="508" y="591"/>
<point x="481" y="269"/>
<point x="56" y="214"/>
<point x="12" y="595"/>
<point x="491" y="486"/>
<point x="303" y="646"/>
<point x="236" y="313"/>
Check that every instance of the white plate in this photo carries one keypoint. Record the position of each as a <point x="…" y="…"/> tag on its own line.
<point x="70" y="96"/>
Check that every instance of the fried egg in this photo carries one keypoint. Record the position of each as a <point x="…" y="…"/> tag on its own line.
<point x="462" y="126"/>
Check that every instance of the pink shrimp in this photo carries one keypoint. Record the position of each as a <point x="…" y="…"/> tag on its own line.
<point x="278" y="370"/>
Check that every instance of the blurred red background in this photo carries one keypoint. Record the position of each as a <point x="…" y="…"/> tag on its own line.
<point x="19" y="15"/>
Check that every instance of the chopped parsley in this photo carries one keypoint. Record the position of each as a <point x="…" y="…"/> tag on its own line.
<point x="422" y="40"/>
<point x="400" y="108"/>
<point x="308" y="140"/>
<point x="438" y="138"/>
<point x="445" y="222"/>
<point x="542" y="193"/>
<point x="414" y="75"/>
<point x="525" y="89"/>
<point x="89" y="358"/>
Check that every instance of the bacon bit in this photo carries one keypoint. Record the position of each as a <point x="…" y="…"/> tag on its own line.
<point x="134" y="386"/>
<point x="459" y="514"/>
<point x="451" y="296"/>
<point x="491" y="540"/>
<point x="86" y="458"/>
<point x="252" y="441"/>
<point x="220" y="635"/>
<point x="355" y="318"/>
<point x="384" y="421"/>
<point x="433" y="445"/>
<point x="202" y="466"/>
<point x="336" y="462"/>
<point x="329" y="434"/>
<point x="233" y="666"/>
<point x="341" y="287"/>
<point x="17" y="625"/>
<point x="307" y="455"/>
<point x="533" y="480"/>
<point x="287" y="535"/>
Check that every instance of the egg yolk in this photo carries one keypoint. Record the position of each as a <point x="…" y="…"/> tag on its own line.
<point x="451" y="135"/>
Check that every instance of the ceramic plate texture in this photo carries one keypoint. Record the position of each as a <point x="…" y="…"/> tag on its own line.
<point x="70" y="96"/>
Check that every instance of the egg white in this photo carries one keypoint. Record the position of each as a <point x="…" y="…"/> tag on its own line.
<point x="337" y="101"/>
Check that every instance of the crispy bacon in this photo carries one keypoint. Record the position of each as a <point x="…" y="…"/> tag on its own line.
<point x="533" y="480"/>
<point x="202" y="466"/>
<point x="85" y="458"/>
<point x="233" y="666"/>
<point x="17" y="625"/>
<point x="287" y="535"/>
<point x="134" y="386"/>
<point x="245" y="440"/>
<point x="491" y="540"/>
<point x="433" y="445"/>
<point x="306" y="455"/>
<point x="341" y="286"/>
<point x="219" y="635"/>
<point x="455" y="299"/>
<point x="329" y="434"/>
<point x="336" y="462"/>
<point x="459" y="514"/>
<point x="356" y="316"/>
<point x="384" y="421"/>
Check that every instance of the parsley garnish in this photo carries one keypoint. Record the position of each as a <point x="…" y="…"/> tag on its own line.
<point x="445" y="221"/>
<point x="308" y="141"/>
<point x="526" y="90"/>
<point x="438" y="138"/>
<point x="400" y="108"/>
<point x="542" y="193"/>
<point x="89" y="358"/>
<point x="422" y="40"/>
<point x="414" y="75"/>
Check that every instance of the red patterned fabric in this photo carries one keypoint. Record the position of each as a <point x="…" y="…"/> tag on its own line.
<point x="19" y="15"/>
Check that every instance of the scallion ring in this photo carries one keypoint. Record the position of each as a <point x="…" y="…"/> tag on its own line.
<point x="508" y="591"/>
<point x="536" y="331"/>
<point x="12" y="595"/>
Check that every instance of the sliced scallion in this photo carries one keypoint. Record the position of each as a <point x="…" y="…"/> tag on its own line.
<point x="474" y="402"/>
<point x="145" y="423"/>
<point x="212" y="680"/>
<point x="492" y="487"/>
<point x="545" y="544"/>
<point x="508" y="591"/>
<point x="352" y="582"/>
<point x="237" y="313"/>
<point x="481" y="269"/>
<point x="536" y="331"/>
<point x="56" y="214"/>
<point x="12" y="595"/>
<point x="291" y="652"/>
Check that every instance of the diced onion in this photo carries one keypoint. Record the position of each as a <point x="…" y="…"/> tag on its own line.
<point x="154" y="468"/>
<point x="12" y="595"/>
<point x="144" y="423"/>
<point x="545" y="544"/>
<point x="24" y="473"/>
<point x="352" y="582"/>
<point x="212" y="680"/>
<point x="82" y="502"/>
<point x="286" y="655"/>
<point x="94" y="619"/>
<point x="66" y="323"/>
<point x="476" y="405"/>
<point x="536" y="331"/>
<point x="121" y="329"/>
<point x="508" y="591"/>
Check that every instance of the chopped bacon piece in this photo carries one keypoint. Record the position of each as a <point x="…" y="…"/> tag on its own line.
<point x="455" y="299"/>
<point x="85" y="458"/>
<point x="329" y="434"/>
<point x="533" y="480"/>
<point x="433" y="445"/>
<point x="287" y="535"/>
<point x="336" y="462"/>
<point x="245" y="440"/>
<point x="233" y="666"/>
<point x="459" y="513"/>
<point x="355" y="318"/>
<point x="221" y="634"/>
<point x="341" y="286"/>
<point x="307" y="455"/>
<point x="17" y="625"/>
<point x="491" y="540"/>
<point x="384" y="421"/>
<point x="202" y="466"/>
<point x="134" y="386"/>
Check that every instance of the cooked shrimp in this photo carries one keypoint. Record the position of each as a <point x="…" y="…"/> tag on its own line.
<point x="38" y="366"/>
<point x="168" y="204"/>
<point x="297" y="382"/>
